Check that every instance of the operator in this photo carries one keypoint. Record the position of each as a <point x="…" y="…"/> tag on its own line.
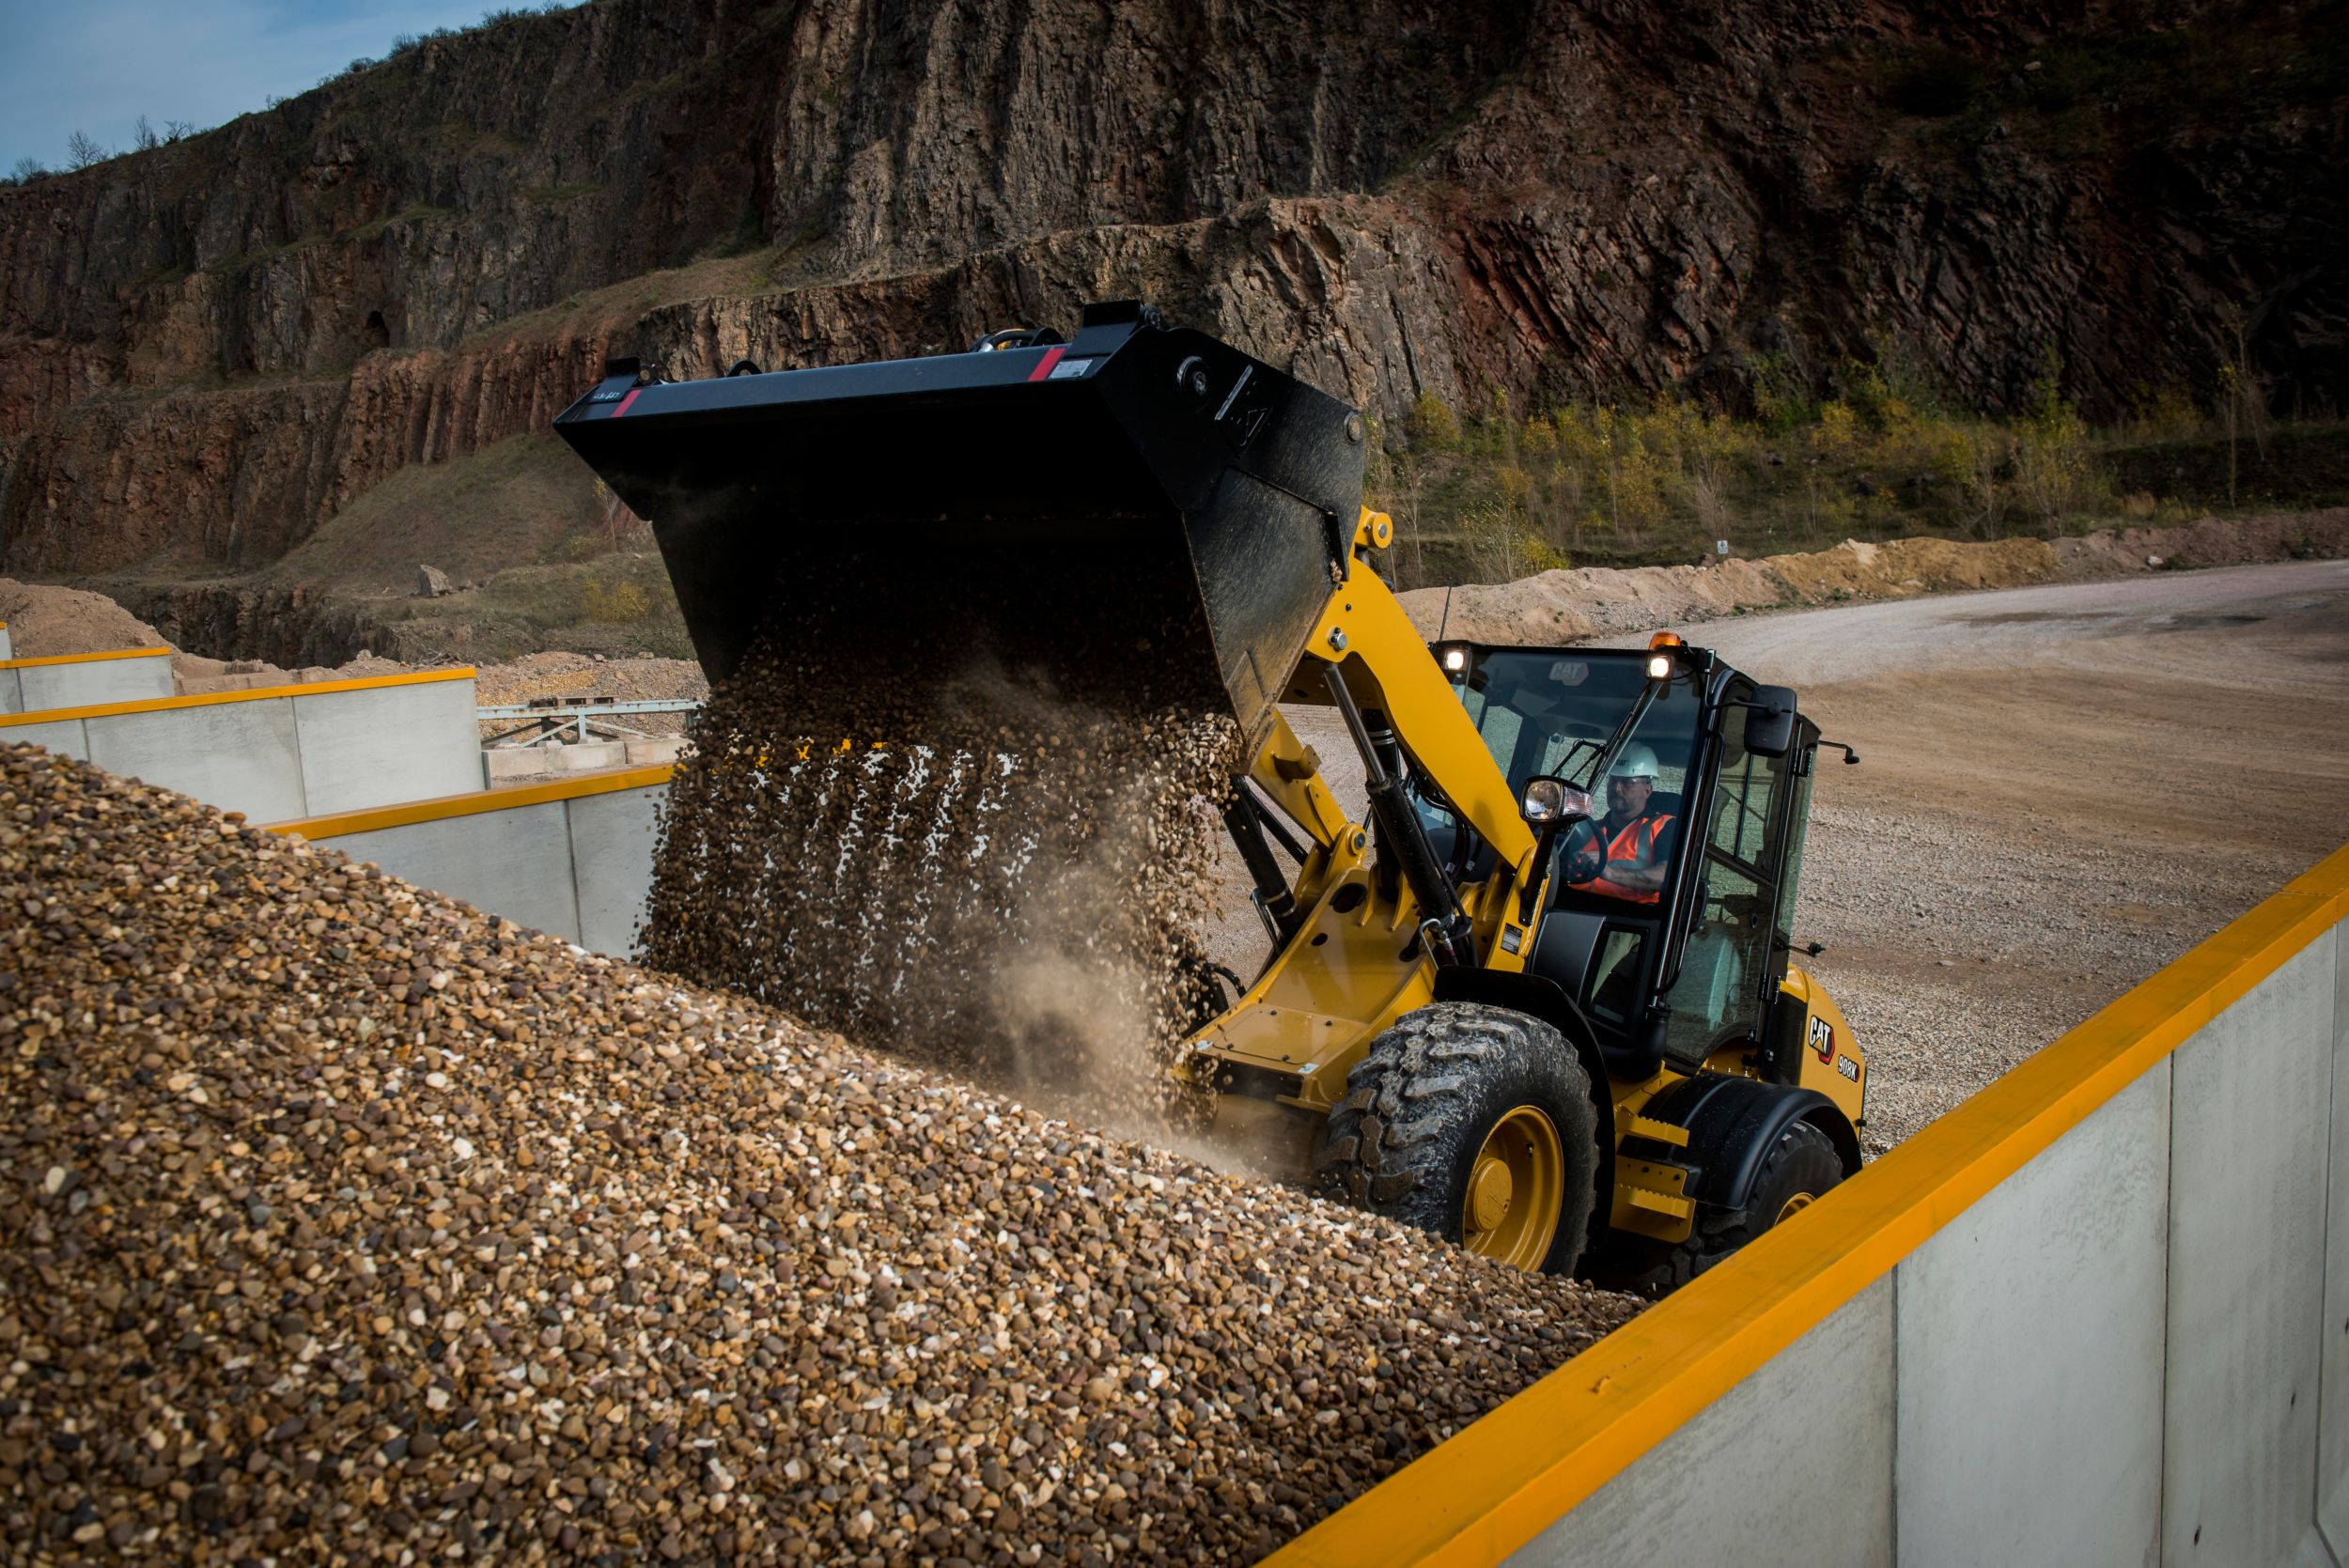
<point x="1631" y="848"/>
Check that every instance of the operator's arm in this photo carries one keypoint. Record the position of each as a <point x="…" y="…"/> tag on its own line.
<point x="1581" y="853"/>
<point x="1642" y="870"/>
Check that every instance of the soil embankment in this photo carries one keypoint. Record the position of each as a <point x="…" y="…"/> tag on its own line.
<point x="1593" y="601"/>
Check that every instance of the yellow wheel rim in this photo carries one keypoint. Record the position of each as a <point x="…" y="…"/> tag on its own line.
<point x="1793" y="1206"/>
<point x="1510" y="1211"/>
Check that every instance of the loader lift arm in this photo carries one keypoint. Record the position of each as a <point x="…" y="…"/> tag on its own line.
<point x="1372" y="660"/>
<point x="1374" y="940"/>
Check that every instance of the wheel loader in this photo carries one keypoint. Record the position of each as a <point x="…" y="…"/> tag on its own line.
<point x="1532" y="991"/>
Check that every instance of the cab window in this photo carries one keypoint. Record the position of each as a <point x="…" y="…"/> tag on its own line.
<point x="1717" y="994"/>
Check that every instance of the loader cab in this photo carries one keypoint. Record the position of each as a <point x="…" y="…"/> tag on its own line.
<point x="1694" y="971"/>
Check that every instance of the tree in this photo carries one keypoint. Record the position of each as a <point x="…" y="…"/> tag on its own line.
<point x="2242" y="397"/>
<point x="2054" y="471"/>
<point x="144" y="138"/>
<point x="81" y="151"/>
<point x="27" y="170"/>
<point x="174" y="130"/>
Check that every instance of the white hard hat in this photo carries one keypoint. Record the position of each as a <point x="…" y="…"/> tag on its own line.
<point x="1634" y="761"/>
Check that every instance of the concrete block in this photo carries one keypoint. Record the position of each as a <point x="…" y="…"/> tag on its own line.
<point x="499" y="764"/>
<point x="1792" y="1465"/>
<point x="2332" y="1443"/>
<point x="589" y="756"/>
<point x="654" y="752"/>
<point x="11" y="691"/>
<point x="67" y="737"/>
<point x="84" y="682"/>
<point x="612" y="845"/>
<point x="2030" y="1333"/>
<point x="382" y="745"/>
<point x="238" y="757"/>
<point x="8" y="646"/>
<point x="2251" y="1113"/>
<point x="515" y="863"/>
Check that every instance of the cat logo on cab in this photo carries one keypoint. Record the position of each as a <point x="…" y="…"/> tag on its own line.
<point x="1823" y="1038"/>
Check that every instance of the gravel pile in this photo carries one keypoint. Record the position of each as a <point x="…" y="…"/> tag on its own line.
<point x="339" y="1222"/>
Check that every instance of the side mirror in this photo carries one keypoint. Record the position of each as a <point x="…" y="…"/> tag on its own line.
<point x="1770" y="722"/>
<point x="1553" y="802"/>
<point x="1550" y="804"/>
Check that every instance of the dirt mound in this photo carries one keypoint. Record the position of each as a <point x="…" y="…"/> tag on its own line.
<point x="1567" y="606"/>
<point x="1536" y="611"/>
<point x="198" y="675"/>
<point x="344" y="1223"/>
<point x="566" y="675"/>
<point x="538" y="675"/>
<point x="45" y="621"/>
<point x="1901" y="567"/>
<point x="2209" y="542"/>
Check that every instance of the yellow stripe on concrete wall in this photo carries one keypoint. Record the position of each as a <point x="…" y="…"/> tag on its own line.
<point x="343" y="824"/>
<point x="164" y="705"/>
<point x="78" y="657"/>
<point x="1495" y="1486"/>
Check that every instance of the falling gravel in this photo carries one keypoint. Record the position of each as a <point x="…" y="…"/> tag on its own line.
<point x="995" y="859"/>
<point x="342" y="1223"/>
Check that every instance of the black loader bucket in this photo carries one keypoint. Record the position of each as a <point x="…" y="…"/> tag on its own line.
<point x="1182" y="503"/>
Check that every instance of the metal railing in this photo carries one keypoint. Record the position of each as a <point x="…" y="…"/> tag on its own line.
<point x="544" y="719"/>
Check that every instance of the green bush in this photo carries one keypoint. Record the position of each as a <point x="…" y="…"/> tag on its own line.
<point x="1507" y="493"/>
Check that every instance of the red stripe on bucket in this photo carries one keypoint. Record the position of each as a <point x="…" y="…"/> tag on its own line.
<point x="1044" y="365"/>
<point x="633" y="393"/>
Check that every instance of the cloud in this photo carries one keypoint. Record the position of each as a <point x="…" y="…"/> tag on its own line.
<point x="98" y="66"/>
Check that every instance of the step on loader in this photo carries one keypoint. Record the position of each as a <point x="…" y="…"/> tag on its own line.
<point x="1533" y="992"/>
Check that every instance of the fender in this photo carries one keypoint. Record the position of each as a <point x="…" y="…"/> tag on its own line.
<point x="1734" y="1123"/>
<point x="1537" y="998"/>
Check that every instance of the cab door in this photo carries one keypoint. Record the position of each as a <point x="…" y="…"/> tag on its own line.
<point x="1730" y="958"/>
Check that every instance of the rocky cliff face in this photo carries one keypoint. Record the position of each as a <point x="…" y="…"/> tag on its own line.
<point x="208" y="349"/>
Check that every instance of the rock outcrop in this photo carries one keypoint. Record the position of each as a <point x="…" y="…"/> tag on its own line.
<point x="209" y="349"/>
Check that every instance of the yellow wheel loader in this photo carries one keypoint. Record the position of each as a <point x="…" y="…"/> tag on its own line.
<point x="1533" y="992"/>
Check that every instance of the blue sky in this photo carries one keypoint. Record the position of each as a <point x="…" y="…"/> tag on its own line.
<point x="96" y="66"/>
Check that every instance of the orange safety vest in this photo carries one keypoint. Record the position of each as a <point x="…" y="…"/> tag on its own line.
<point x="1630" y="845"/>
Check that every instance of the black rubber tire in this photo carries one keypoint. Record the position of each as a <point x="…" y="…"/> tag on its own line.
<point x="1803" y="1162"/>
<point x="1419" y="1104"/>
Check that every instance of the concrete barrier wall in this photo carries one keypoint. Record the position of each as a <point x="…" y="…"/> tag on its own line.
<point x="77" y="680"/>
<point x="282" y="752"/>
<point x="2097" y="1314"/>
<point x="573" y="858"/>
<point x="7" y="644"/>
